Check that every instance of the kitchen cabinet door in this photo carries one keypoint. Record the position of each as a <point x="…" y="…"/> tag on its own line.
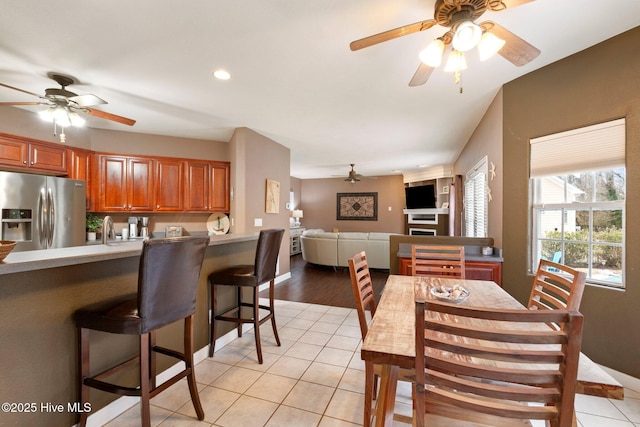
<point x="169" y="186"/>
<point x="112" y="184"/>
<point x="79" y="162"/>
<point x="48" y="158"/>
<point x="13" y="154"/>
<point x="125" y="184"/>
<point x="140" y="184"/>
<point x="197" y="186"/>
<point x="17" y="153"/>
<point x="220" y="178"/>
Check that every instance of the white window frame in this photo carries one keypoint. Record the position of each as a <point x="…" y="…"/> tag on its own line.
<point x="594" y="148"/>
<point x="476" y="200"/>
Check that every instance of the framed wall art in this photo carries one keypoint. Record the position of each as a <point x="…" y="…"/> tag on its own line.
<point x="273" y="196"/>
<point x="357" y="206"/>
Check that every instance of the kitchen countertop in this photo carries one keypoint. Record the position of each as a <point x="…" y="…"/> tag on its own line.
<point x="17" y="262"/>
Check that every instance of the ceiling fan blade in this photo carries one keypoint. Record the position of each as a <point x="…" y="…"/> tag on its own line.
<point x="421" y="75"/>
<point x="392" y="34"/>
<point x="4" y="104"/>
<point x="20" y="90"/>
<point x="516" y="50"/>
<point x="87" y="100"/>
<point x="109" y="116"/>
<point x="510" y="4"/>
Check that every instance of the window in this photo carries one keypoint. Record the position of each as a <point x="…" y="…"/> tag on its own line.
<point x="475" y="200"/>
<point x="578" y="184"/>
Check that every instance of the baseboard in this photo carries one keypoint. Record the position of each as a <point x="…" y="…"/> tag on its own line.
<point x="124" y="403"/>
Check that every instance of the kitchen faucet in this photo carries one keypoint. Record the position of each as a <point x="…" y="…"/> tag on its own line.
<point x="107" y="229"/>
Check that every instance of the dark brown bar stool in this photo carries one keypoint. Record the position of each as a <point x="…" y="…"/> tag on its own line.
<point x="167" y="287"/>
<point x="264" y="270"/>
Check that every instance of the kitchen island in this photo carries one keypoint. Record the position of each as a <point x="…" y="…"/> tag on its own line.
<point x="40" y="291"/>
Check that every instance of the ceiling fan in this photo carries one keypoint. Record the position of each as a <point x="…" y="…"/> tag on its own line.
<point x="459" y="17"/>
<point x="353" y="176"/>
<point x="67" y="102"/>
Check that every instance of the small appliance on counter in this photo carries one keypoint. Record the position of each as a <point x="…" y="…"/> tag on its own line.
<point x="144" y="226"/>
<point x="133" y="227"/>
<point x="173" y="231"/>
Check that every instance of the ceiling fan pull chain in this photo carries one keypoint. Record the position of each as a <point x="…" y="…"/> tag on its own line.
<point x="458" y="78"/>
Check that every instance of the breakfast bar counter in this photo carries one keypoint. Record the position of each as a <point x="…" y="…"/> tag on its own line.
<point x="39" y="293"/>
<point x="17" y="262"/>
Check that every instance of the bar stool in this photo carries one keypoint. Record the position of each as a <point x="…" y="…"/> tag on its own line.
<point x="167" y="286"/>
<point x="252" y="276"/>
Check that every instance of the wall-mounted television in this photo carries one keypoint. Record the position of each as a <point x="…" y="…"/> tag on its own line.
<point x="420" y="197"/>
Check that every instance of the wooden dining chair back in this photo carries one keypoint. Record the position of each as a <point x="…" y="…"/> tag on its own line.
<point x="364" y="296"/>
<point x="362" y="289"/>
<point x="493" y="366"/>
<point x="556" y="286"/>
<point x="437" y="260"/>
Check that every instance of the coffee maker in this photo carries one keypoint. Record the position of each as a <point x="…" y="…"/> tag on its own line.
<point x="144" y="226"/>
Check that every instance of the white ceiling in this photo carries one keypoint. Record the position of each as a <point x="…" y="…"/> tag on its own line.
<point x="294" y="78"/>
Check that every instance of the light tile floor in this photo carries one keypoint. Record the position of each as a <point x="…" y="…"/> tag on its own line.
<point x="316" y="378"/>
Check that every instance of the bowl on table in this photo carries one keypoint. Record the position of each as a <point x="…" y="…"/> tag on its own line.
<point x="454" y="294"/>
<point x="6" y="246"/>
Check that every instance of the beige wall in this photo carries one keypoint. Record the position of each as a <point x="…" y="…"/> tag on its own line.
<point x="319" y="198"/>
<point x="599" y="84"/>
<point x="256" y="158"/>
<point x="486" y="141"/>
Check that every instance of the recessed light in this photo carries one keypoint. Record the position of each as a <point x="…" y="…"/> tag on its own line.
<point x="222" y="74"/>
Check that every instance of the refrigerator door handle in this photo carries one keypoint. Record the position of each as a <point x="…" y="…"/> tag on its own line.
<point x="42" y="217"/>
<point x="52" y="218"/>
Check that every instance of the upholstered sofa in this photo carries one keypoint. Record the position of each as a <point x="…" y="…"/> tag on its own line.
<point x="334" y="249"/>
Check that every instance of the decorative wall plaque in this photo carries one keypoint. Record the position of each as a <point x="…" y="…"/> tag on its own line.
<point x="357" y="206"/>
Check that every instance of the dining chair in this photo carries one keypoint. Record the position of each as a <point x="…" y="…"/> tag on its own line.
<point x="437" y="260"/>
<point x="168" y="277"/>
<point x="494" y="367"/>
<point x="365" y="298"/>
<point x="556" y="286"/>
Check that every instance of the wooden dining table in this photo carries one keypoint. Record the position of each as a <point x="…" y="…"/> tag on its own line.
<point x="390" y="341"/>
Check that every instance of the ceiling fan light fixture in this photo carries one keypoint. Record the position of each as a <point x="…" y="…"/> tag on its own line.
<point x="489" y="45"/>
<point x="455" y="62"/>
<point x="76" y="120"/>
<point x="467" y="36"/>
<point x="47" y="114"/>
<point x="432" y="54"/>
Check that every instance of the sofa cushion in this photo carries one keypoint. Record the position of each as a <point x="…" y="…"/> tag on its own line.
<point x="352" y="235"/>
<point x="379" y="236"/>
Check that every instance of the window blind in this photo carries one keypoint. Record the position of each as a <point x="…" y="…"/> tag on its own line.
<point x="596" y="147"/>
<point x="475" y="204"/>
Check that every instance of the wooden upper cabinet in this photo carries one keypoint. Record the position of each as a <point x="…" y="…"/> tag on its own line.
<point x="169" y="185"/>
<point x="220" y="181"/>
<point x="14" y="154"/>
<point x="207" y="186"/>
<point x="197" y="183"/>
<point x="22" y="153"/>
<point x="125" y="183"/>
<point x="140" y="184"/>
<point x="79" y="162"/>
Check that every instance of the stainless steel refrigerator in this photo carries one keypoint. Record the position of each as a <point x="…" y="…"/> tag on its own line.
<point x="41" y="212"/>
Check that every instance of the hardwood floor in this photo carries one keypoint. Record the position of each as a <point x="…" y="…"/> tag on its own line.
<point x="318" y="284"/>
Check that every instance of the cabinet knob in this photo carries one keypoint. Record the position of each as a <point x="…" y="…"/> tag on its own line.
<point x="32" y="163"/>
<point x="24" y="162"/>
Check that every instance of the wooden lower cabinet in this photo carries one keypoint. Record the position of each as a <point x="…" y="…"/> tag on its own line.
<point x="477" y="270"/>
